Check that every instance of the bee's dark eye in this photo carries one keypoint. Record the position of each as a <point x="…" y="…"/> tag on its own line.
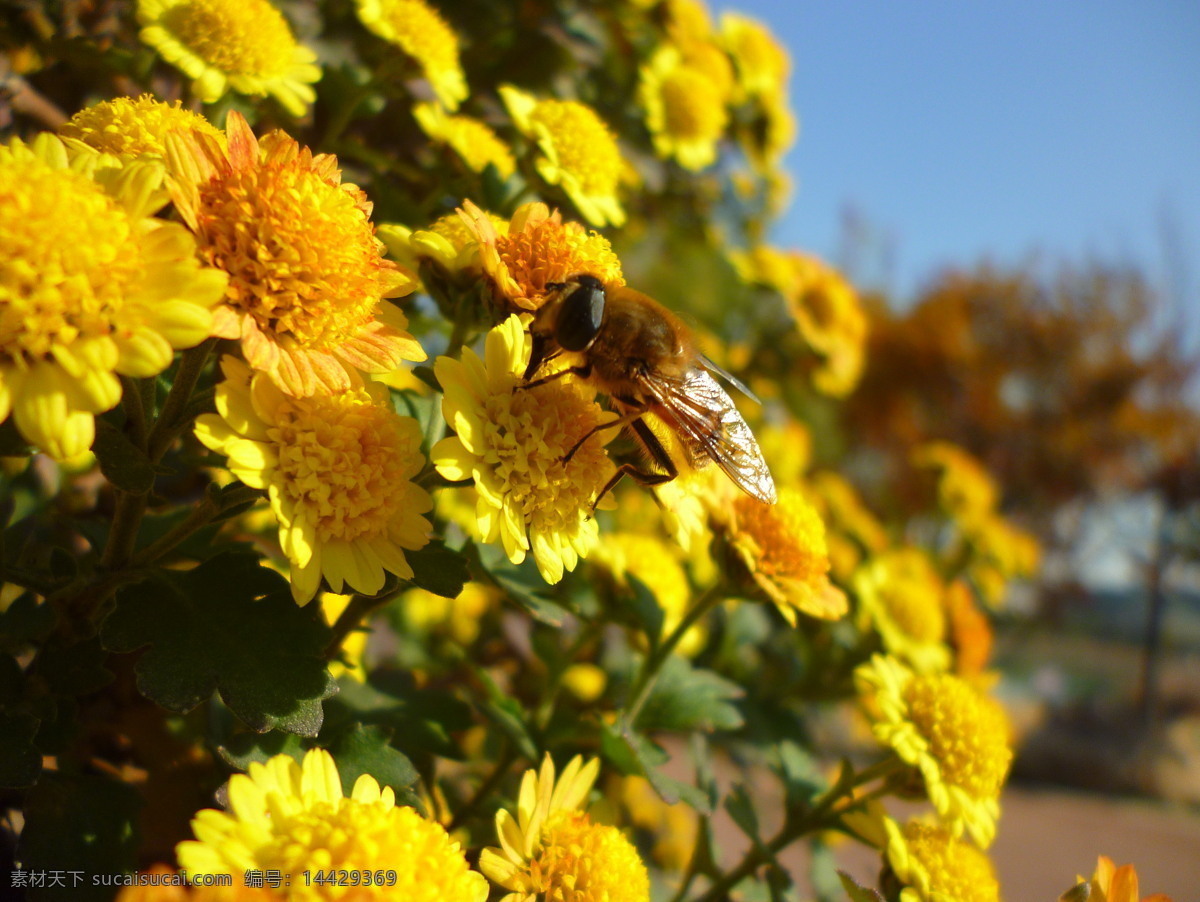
<point x="581" y="314"/>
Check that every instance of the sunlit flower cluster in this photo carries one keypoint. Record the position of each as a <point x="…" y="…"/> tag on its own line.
<point x="424" y="36"/>
<point x="126" y="126"/>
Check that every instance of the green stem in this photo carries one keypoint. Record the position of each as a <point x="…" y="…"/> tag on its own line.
<point x="554" y="681"/>
<point x="170" y="419"/>
<point x="203" y="514"/>
<point x="134" y="405"/>
<point x="654" y="661"/>
<point x="122" y="535"/>
<point x="508" y="758"/>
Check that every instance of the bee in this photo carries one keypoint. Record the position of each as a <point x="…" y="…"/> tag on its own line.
<point x="645" y="359"/>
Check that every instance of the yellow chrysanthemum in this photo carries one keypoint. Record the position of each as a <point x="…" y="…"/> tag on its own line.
<point x="338" y="471"/>
<point x="1110" y="883"/>
<point x="900" y="594"/>
<point x="458" y="617"/>
<point x="553" y="852"/>
<point x="935" y="866"/>
<point x="421" y="32"/>
<point x="293" y="818"/>
<point x="966" y="491"/>
<point x="846" y="512"/>
<point x="648" y="559"/>
<point x="995" y="540"/>
<point x="783" y="548"/>
<point x="473" y="140"/>
<point x="957" y="737"/>
<point x="512" y="442"/>
<point x="579" y="152"/>
<point x="449" y="243"/>
<point x="245" y="45"/>
<point x="761" y="62"/>
<point x="827" y="311"/>
<point x="307" y="274"/>
<point x="685" y="110"/>
<point x="132" y="127"/>
<point x="535" y="249"/>
<point x="91" y="287"/>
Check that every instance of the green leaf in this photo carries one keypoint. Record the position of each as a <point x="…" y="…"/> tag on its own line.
<point x="419" y="721"/>
<point x="741" y="808"/>
<point x="72" y="670"/>
<point x="856" y="892"/>
<point x="521" y="583"/>
<point x="82" y="824"/>
<point x="646" y="610"/>
<point x="636" y="755"/>
<point x="801" y="773"/>
<point x="688" y="698"/>
<point x="20" y="759"/>
<point x="232" y="626"/>
<point x="508" y="714"/>
<point x="823" y="873"/>
<point x="439" y="570"/>
<point x="122" y="462"/>
<point x="367" y="750"/>
<point x="423" y="408"/>
<point x="245" y="749"/>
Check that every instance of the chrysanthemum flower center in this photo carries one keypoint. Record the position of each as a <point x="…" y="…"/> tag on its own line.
<point x="550" y="251"/>
<point x="240" y="37"/>
<point x="967" y="732"/>
<point x="343" y="459"/>
<point x="789" y="536"/>
<point x="528" y="435"/>
<point x="130" y="127"/>
<point x="957" y="870"/>
<point x="70" y="257"/>
<point x="584" y="862"/>
<point x="302" y="256"/>
<point x="692" y="105"/>
<point x="478" y="145"/>
<point x="357" y="837"/>
<point x="423" y="34"/>
<point x="583" y="143"/>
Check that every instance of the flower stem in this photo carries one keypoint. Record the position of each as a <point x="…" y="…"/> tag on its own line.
<point x="170" y="419"/>
<point x="654" y="661"/>
<point x="203" y="514"/>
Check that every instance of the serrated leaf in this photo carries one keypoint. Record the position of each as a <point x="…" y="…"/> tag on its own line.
<point x="439" y="570"/>
<point x="20" y="759"/>
<point x="367" y="750"/>
<point x="83" y="823"/>
<point x="690" y="698"/>
<point x="636" y="755"/>
<point x="228" y="625"/>
<point x="856" y="892"/>
<point x="122" y="462"/>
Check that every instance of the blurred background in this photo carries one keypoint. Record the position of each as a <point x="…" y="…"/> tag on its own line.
<point x="1016" y="193"/>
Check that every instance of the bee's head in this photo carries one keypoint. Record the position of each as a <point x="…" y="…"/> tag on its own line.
<point x="580" y="311"/>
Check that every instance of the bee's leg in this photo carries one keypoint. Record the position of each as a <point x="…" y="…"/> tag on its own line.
<point x="630" y="417"/>
<point x="657" y="453"/>
<point x="581" y="371"/>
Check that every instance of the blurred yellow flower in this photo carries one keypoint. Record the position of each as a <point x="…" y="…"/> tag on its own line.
<point x="293" y="817"/>
<point x="537" y="248"/>
<point x="132" y="127"/>
<point x="307" y="274"/>
<point x="92" y="287"/>
<point x="673" y="826"/>
<point x="761" y="62"/>
<point x="934" y="866"/>
<point x="966" y="491"/>
<point x="827" y="311"/>
<point x="459" y="617"/>
<point x="684" y="109"/>
<point x="957" y="737"/>
<point x="1110" y="883"/>
<point x="513" y="442"/>
<point x="852" y="528"/>
<point x="421" y="32"/>
<point x="579" y="152"/>
<point x="551" y="850"/>
<point x="338" y="471"/>
<point x="900" y="594"/>
<point x="350" y="661"/>
<point x="783" y="548"/>
<point x="245" y="45"/>
<point x="970" y="631"/>
<point x="474" y="141"/>
<point x="585" y="681"/>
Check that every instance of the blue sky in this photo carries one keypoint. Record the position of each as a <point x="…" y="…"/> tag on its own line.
<point x="960" y="130"/>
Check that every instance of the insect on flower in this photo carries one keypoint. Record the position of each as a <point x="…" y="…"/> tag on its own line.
<point x="644" y="358"/>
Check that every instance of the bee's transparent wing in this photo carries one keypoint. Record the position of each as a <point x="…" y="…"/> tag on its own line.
<point x="703" y="414"/>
